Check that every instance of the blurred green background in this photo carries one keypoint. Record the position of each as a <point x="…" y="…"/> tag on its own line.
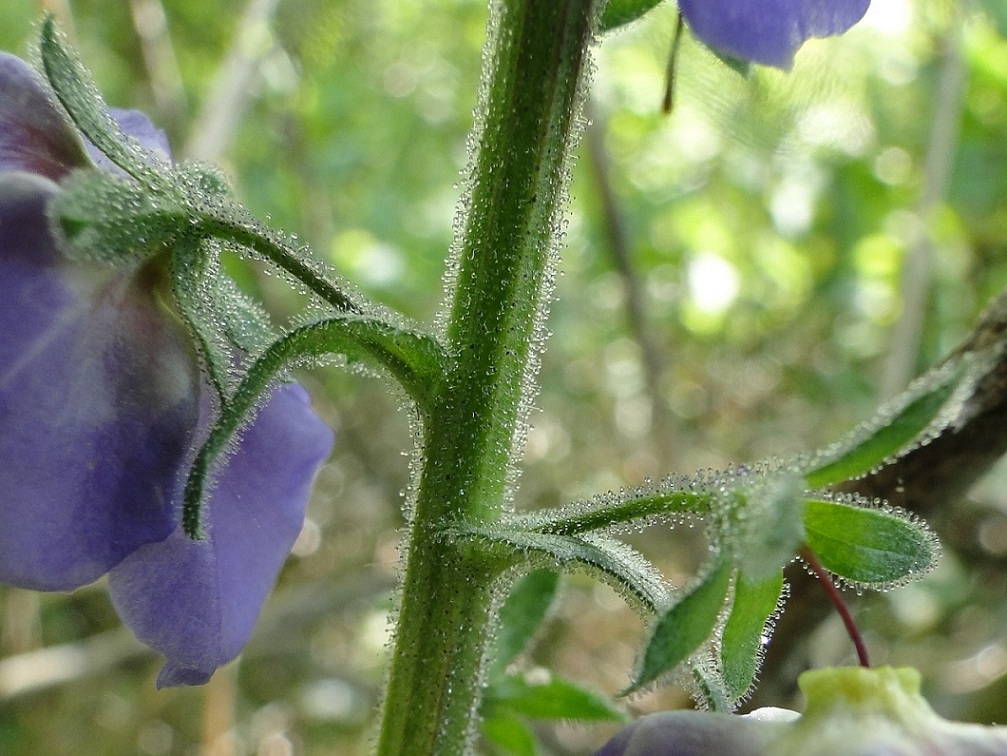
<point x="745" y="278"/>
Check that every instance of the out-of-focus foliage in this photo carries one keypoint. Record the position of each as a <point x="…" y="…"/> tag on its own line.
<point x="767" y="225"/>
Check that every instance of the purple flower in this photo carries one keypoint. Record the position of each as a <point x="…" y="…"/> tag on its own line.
<point x="851" y="711"/>
<point x="102" y="402"/>
<point x="768" y="31"/>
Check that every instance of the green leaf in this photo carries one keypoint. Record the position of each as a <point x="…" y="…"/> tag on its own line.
<point x="553" y="698"/>
<point x="890" y="431"/>
<point x="620" y="12"/>
<point x="613" y="562"/>
<point x="684" y="627"/>
<point x="872" y="547"/>
<point x="76" y="91"/>
<point x="509" y="734"/>
<point x="743" y="641"/>
<point x="521" y="615"/>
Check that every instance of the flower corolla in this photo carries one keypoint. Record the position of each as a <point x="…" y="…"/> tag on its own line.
<point x="103" y="400"/>
<point x="768" y="31"/>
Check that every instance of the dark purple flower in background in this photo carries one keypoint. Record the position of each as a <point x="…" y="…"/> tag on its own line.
<point x="768" y="31"/>
<point x="102" y="401"/>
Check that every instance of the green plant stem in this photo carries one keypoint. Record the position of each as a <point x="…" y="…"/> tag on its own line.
<point x="264" y="243"/>
<point x="564" y="522"/>
<point x="536" y="57"/>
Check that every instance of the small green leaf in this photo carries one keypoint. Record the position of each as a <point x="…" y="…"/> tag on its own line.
<point x="509" y="734"/>
<point x="76" y="91"/>
<point x="609" y="560"/>
<point x="684" y="627"/>
<point x="873" y="547"/>
<point x="743" y="640"/>
<point x="890" y="431"/>
<point x="553" y="698"/>
<point x="620" y="12"/>
<point x="521" y="615"/>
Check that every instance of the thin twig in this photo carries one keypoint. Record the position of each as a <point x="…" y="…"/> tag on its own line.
<point x="668" y="103"/>
<point x="836" y="598"/>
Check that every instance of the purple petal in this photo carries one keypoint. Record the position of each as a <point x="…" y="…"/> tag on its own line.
<point x="35" y="135"/>
<point x="690" y="733"/>
<point x="140" y="127"/>
<point x="98" y="403"/>
<point x="768" y="31"/>
<point x="196" y="602"/>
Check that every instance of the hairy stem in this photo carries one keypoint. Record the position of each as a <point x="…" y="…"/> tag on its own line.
<point x="536" y="57"/>
<point x="266" y="245"/>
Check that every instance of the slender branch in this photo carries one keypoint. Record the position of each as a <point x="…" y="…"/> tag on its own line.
<point x="264" y="243"/>
<point x="836" y="599"/>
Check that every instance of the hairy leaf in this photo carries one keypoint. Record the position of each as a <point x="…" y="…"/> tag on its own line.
<point x="743" y="641"/>
<point x="768" y="525"/>
<point x="76" y="91"/>
<point x="684" y="627"/>
<point x="894" y="427"/>
<point x="869" y="546"/>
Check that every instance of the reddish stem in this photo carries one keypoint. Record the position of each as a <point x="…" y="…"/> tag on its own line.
<point x="837" y="601"/>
